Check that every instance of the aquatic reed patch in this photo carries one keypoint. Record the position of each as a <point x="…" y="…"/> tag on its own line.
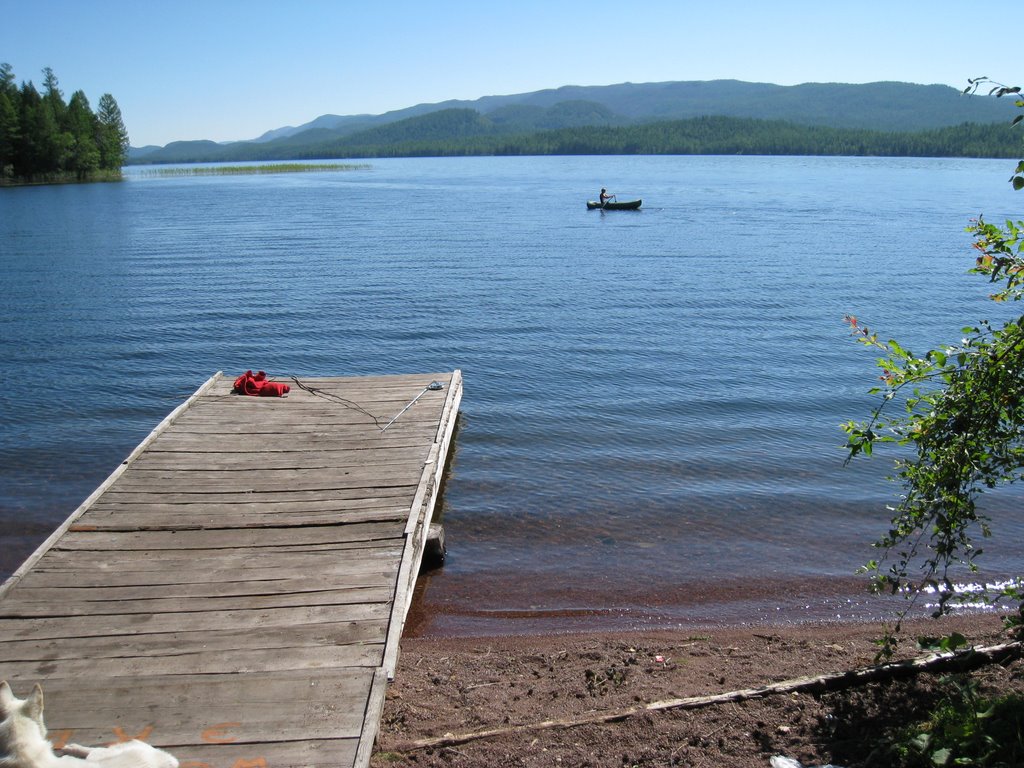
<point x="235" y="170"/>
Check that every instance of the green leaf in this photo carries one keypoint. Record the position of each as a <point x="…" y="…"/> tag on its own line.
<point x="988" y="712"/>
<point x="953" y="641"/>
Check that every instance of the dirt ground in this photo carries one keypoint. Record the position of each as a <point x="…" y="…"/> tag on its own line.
<point x="514" y="684"/>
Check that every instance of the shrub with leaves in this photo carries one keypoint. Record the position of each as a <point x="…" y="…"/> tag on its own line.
<point x="967" y="728"/>
<point x="958" y="412"/>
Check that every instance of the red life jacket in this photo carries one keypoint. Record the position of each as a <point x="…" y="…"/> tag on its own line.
<point x="256" y="384"/>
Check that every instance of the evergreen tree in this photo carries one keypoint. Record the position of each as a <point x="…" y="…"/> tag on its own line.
<point x="83" y="126"/>
<point x="112" y="136"/>
<point x="7" y="79"/>
<point x="59" y="142"/>
<point x="52" y="86"/>
<point x="28" y="160"/>
<point x="9" y="134"/>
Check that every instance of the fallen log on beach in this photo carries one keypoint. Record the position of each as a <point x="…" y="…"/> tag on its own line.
<point x="950" y="661"/>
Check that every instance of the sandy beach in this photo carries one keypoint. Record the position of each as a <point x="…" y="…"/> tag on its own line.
<point x="572" y="699"/>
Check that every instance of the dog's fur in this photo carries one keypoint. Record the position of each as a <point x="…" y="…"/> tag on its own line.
<point x="23" y="742"/>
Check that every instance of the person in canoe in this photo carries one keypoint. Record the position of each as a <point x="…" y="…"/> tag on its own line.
<point x="605" y="197"/>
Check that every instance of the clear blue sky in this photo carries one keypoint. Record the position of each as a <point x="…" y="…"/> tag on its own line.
<point x="228" y="70"/>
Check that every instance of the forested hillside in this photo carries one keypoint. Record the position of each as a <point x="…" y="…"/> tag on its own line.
<point x="462" y="132"/>
<point x="887" y="106"/>
<point x="45" y="139"/>
<point x="722" y="116"/>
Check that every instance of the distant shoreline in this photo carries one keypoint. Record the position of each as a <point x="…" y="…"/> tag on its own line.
<point x="241" y="170"/>
<point x="102" y="177"/>
<point x="220" y="170"/>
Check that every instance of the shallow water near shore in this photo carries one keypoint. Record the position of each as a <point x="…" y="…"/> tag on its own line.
<point x="650" y="430"/>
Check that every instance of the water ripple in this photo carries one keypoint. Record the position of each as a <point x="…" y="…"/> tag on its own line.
<point x="651" y="398"/>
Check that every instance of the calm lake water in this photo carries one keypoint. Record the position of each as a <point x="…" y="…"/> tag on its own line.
<point x="650" y="428"/>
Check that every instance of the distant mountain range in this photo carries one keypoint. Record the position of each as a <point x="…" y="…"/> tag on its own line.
<point x="883" y="106"/>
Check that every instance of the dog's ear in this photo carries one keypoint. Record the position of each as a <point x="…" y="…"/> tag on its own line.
<point x="34" y="706"/>
<point x="6" y="700"/>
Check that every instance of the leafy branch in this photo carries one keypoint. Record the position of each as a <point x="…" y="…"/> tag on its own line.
<point x="958" y="413"/>
<point x="999" y="90"/>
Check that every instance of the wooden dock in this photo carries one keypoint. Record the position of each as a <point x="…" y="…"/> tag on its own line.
<point x="236" y="590"/>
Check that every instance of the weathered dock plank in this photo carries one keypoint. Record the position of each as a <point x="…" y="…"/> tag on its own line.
<point x="235" y="591"/>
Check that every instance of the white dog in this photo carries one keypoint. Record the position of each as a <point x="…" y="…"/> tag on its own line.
<point x="23" y="742"/>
